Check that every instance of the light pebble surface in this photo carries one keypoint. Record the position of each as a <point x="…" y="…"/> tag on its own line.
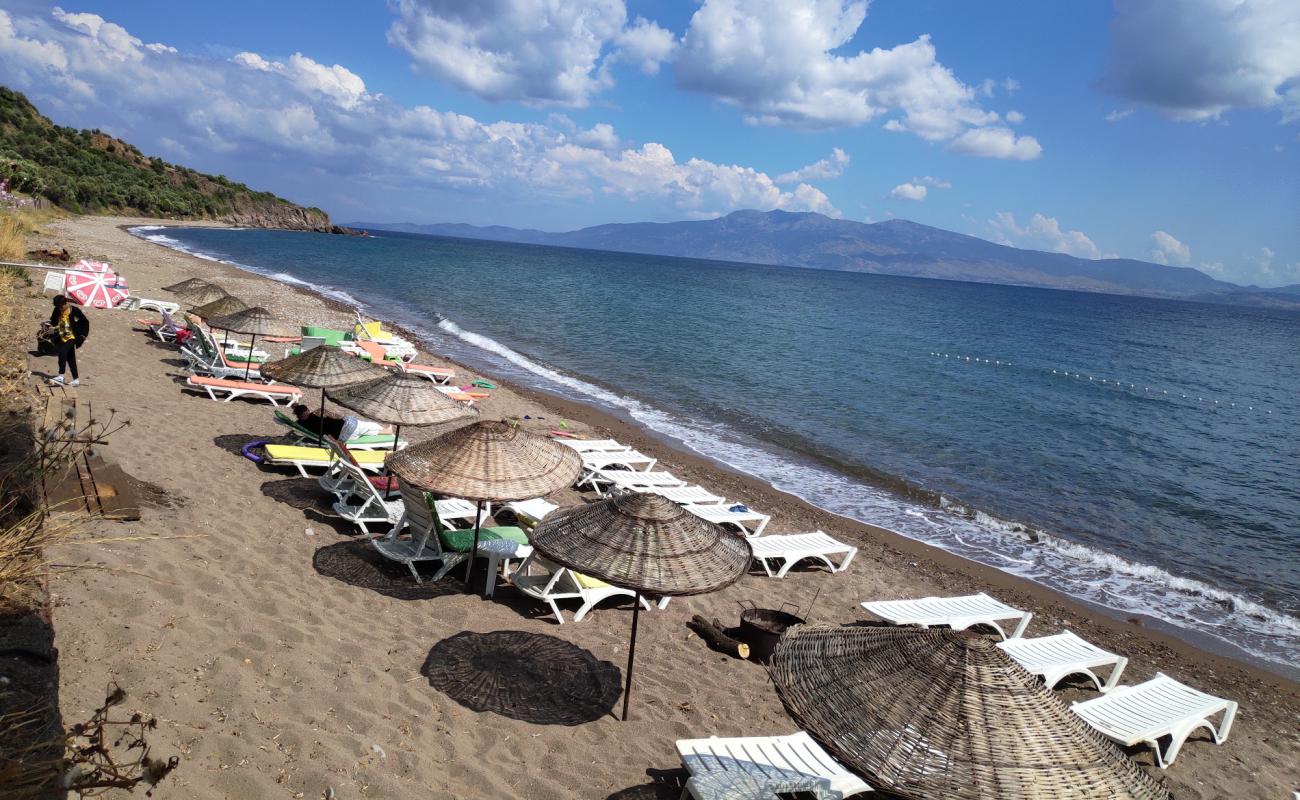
<point x="273" y="678"/>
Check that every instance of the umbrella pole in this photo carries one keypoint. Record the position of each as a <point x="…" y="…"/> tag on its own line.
<point x="321" y="428"/>
<point x="473" y="551"/>
<point x="248" y="366"/>
<point x="631" y="653"/>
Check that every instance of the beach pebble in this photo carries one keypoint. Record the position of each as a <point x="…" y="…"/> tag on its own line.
<point x="310" y="532"/>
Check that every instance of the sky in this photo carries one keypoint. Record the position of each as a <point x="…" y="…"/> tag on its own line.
<point x="1164" y="130"/>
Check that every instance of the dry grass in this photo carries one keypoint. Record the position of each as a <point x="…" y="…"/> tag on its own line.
<point x="17" y="225"/>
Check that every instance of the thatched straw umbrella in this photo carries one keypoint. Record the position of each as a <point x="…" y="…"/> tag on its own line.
<point x="189" y="284"/>
<point x="396" y="398"/>
<point x="323" y="368"/>
<point x="645" y="543"/>
<point x="928" y="713"/>
<point x="487" y="462"/>
<point x="255" y="321"/>
<point x="199" y="295"/>
<point x="222" y="306"/>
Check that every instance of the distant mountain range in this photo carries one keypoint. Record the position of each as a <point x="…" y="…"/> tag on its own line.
<point x="894" y="247"/>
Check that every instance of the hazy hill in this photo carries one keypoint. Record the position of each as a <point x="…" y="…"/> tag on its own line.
<point x="895" y="247"/>
<point x="88" y="171"/>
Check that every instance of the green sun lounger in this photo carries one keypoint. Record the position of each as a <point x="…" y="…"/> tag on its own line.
<point x="332" y="337"/>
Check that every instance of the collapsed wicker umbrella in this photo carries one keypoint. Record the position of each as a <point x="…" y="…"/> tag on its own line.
<point x="255" y="321"/>
<point x="199" y="295"/>
<point x="645" y="543"/>
<point x="929" y="713"/>
<point x="189" y="284"/>
<point x="487" y="462"/>
<point x="323" y="368"/>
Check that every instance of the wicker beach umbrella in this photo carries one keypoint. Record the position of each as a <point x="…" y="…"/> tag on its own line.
<point x="186" y="285"/>
<point x="202" y="294"/>
<point x="399" y="399"/>
<point x="255" y="321"/>
<point x="645" y="543"/>
<point x="487" y="462"/>
<point x="928" y="713"/>
<point x="222" y="306"/>
<point x="322" y="368"/>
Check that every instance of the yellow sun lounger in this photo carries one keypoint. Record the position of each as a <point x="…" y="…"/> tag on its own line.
<point x="304" y="458"/>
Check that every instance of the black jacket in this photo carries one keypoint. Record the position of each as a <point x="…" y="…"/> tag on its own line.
<point x="80" y="325"/>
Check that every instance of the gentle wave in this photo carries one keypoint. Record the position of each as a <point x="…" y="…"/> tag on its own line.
<point x="281" y="277"/>
<point x="1074" y="569"/>
<point x="1071" y="568"/>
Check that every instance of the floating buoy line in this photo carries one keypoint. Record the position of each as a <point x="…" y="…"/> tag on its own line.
<point x="1083" y="377"/>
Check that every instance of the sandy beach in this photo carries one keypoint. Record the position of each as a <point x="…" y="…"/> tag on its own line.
<point x="283" y="659"/>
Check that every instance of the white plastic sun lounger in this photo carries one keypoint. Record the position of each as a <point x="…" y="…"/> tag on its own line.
<point x="440" y="375"/>
<point x="687" y="495"/>
<point x="1161" y="707"/>
<point x="273" y="393"/>
<point x="723" y="515"/>
<point x="137" y="303"/>
<point x="1055" y="657"/>
<point x="360" y="502"/>
<point x="556" y="583"/>
<point x="770" y="759"/>
<point x="788" y="549"/>
<point x="627" y="459"/>
<point x="594" y="445"/>
<point x="530" y="512"/>
<point x="958" y="613"/>
<point x="626" y="480"/>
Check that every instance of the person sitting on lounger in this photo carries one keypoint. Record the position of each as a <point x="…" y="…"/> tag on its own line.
<point x="341" y="428"/>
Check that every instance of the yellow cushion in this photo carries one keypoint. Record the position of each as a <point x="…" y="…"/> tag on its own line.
<point x="284" y="452"/>
<point x="588" y="582"/>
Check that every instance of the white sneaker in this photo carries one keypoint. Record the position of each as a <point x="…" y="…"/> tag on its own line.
<point x="56" y="381"/>
<point x="76" y="381"/>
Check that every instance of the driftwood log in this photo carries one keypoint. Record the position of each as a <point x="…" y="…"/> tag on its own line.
<point x="713" y="635"/>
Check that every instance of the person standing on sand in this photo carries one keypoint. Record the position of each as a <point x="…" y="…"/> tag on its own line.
<point x="70" y="331"/>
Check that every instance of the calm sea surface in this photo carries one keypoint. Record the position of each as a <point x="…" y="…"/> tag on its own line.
<point x="1150" y="447"/>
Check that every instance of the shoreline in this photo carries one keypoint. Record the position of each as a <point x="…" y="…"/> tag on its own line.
<point x="610" y="419"/>
<point x="888" y="565"/>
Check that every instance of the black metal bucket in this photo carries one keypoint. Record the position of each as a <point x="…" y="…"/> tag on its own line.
<point x="761" y="628"/>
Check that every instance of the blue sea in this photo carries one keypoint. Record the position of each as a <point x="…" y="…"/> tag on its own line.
<point x="1140" y="454"/>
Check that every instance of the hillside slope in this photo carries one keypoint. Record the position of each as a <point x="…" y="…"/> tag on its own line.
<point x="88" y="171"/>
<point x="894" y="247"/>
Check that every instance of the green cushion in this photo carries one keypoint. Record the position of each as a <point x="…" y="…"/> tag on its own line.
<point x="460" y="541"/>
<point x="332" y="337"/>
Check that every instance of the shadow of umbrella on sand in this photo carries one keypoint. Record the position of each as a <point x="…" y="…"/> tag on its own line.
<point x="492" y="462"/>
<point x="531" y="677"/>
<point x="645" y="543"/>
<point x="930" y="714"/>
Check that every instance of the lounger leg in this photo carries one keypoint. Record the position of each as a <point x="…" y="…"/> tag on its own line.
<point x="1221" y="733"/>
<point x="411" y="566"/>
<point x="560" y="617"/>
<point x="761" y="525"/>
<point x="847" y="560"/>
<point x="1113" y="680"/>
<point x="1024" y="623"/>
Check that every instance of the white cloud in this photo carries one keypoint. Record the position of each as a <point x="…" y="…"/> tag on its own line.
<point x="540" y="52"/>
<point x="831" y="167"/>
<point x="930" y="180"/>
<point x="908" y="191"/>
<point x="1014" y="117"/>
<point x="1256" y="268"/>
<point x="1042" y="233"/>
<point x="1117" y="115"/>
<point x="646" y="44"/>
<point x="1165" y="249"/>
<point x="996" y="143"/>
<point x="1197" y="59"/>
<point x="299" y="118"/>
<point x="779" y="62"/>
<point x="337" y="82"/>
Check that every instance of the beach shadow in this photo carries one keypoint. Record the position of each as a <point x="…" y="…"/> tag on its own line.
<point x="530" y="608"/>
<point x="665" y="784"/>
<point x="358" y="564"/>
<point x="306" y="495"/>
<point x="234" y="443"/>
<point x="530" y="677"/>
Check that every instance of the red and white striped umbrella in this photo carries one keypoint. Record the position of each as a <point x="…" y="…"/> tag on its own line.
<point x="94" y="284"/>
